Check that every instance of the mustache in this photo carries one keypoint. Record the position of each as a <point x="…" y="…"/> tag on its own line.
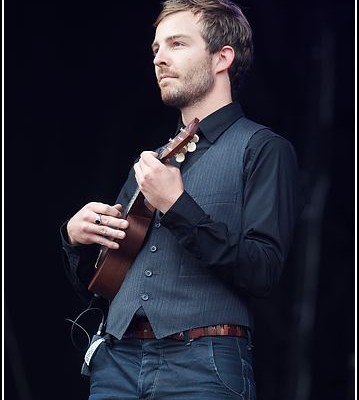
<point x="163" y="73"/>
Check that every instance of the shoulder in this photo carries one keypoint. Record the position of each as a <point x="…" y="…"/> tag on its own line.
<point x="260" y="136"/>
<point x="268" y="148"/>
<point x="267" y="140"/>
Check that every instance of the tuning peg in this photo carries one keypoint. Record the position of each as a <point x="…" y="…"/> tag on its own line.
<point x="191" y="147"/>
<point x="180" y="157"/>
<point x="195" y="138"/>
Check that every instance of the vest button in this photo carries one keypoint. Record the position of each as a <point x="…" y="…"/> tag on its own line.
<point x="148" y="273"/>
<point x="157" y="225"/>
<point x="144" y="297"/>
<point x="153" y="249"/>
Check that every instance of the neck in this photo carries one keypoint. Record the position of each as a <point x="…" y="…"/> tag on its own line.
<point x="211" y="103"/>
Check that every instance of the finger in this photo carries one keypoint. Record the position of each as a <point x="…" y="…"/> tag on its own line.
<point x="105" y="209"/>
<point x="110" y="233"/>
<point x="149" y="158"/>
<point x="149" y="154"/>
<point x="138" y="172"/>
<point x="105" y="236"/>
<point x="118" y="207"/>
<point x="112" y="222"/>
<point x="107" y="242"/>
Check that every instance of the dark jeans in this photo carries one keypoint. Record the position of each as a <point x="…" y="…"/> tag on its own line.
<point x="210" y="368"/>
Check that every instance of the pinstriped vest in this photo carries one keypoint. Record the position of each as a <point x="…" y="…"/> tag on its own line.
<point x="176" y="290"/>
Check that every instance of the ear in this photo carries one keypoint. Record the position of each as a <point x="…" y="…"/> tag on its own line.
<point x="224" y="59"/>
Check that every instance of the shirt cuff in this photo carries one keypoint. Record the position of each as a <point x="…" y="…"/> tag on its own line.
<point x="69" y="248"/>
<point x="184" y="215"/>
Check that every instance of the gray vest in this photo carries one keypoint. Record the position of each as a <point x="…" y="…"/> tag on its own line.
<point x="176" y="290"/>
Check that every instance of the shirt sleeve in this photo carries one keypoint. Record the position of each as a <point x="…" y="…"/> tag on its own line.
<point x="79" y="262"/>
<point x="253" y="258"/>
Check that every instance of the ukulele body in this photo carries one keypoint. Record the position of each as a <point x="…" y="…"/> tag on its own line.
<point x="113" y="264"/>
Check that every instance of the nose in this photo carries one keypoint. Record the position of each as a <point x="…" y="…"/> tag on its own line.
<point x="160" y="59"/>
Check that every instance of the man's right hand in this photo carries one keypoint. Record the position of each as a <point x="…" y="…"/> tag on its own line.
<point x="97" y="223"/>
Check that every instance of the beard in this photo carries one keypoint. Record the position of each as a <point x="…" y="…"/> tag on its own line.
<point x="197" y="82"/>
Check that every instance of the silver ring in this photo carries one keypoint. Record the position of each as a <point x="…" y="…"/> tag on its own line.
<point x="98" y="219"/>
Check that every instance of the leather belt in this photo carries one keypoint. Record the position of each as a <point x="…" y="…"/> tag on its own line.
<point x="143" y="330"/>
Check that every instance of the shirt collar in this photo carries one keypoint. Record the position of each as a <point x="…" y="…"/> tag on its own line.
<point x="216" y="123"/>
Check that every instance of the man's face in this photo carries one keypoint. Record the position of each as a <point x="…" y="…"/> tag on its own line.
<point x="183" y="65"/>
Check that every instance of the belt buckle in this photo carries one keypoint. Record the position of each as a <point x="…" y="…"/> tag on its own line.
<point x="184" y="335"/>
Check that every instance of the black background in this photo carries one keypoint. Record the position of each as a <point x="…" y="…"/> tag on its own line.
<point x="81" y="103"/>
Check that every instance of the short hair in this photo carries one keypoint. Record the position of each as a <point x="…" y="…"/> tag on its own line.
<point x="223" y="24"/>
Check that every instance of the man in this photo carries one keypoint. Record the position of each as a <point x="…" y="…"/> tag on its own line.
<point x="179" y="327"/>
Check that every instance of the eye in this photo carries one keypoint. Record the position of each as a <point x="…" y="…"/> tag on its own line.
<point x="177" y="44"/>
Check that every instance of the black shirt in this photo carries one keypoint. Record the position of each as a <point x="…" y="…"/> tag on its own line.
<point x="248" y="259"/>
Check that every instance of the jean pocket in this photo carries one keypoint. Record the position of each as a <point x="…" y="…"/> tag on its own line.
<point x="92" y="349"/>
<point x="232" y="364"/>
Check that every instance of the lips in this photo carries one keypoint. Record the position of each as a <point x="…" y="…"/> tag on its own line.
<point x="162" y="77"/>
<point x="165" y="75"/>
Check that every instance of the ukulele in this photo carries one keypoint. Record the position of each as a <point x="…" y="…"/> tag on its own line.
<point x="112" y="264"/>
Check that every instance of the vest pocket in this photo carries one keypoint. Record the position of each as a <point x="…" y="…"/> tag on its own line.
<point x="216" y="198"/>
